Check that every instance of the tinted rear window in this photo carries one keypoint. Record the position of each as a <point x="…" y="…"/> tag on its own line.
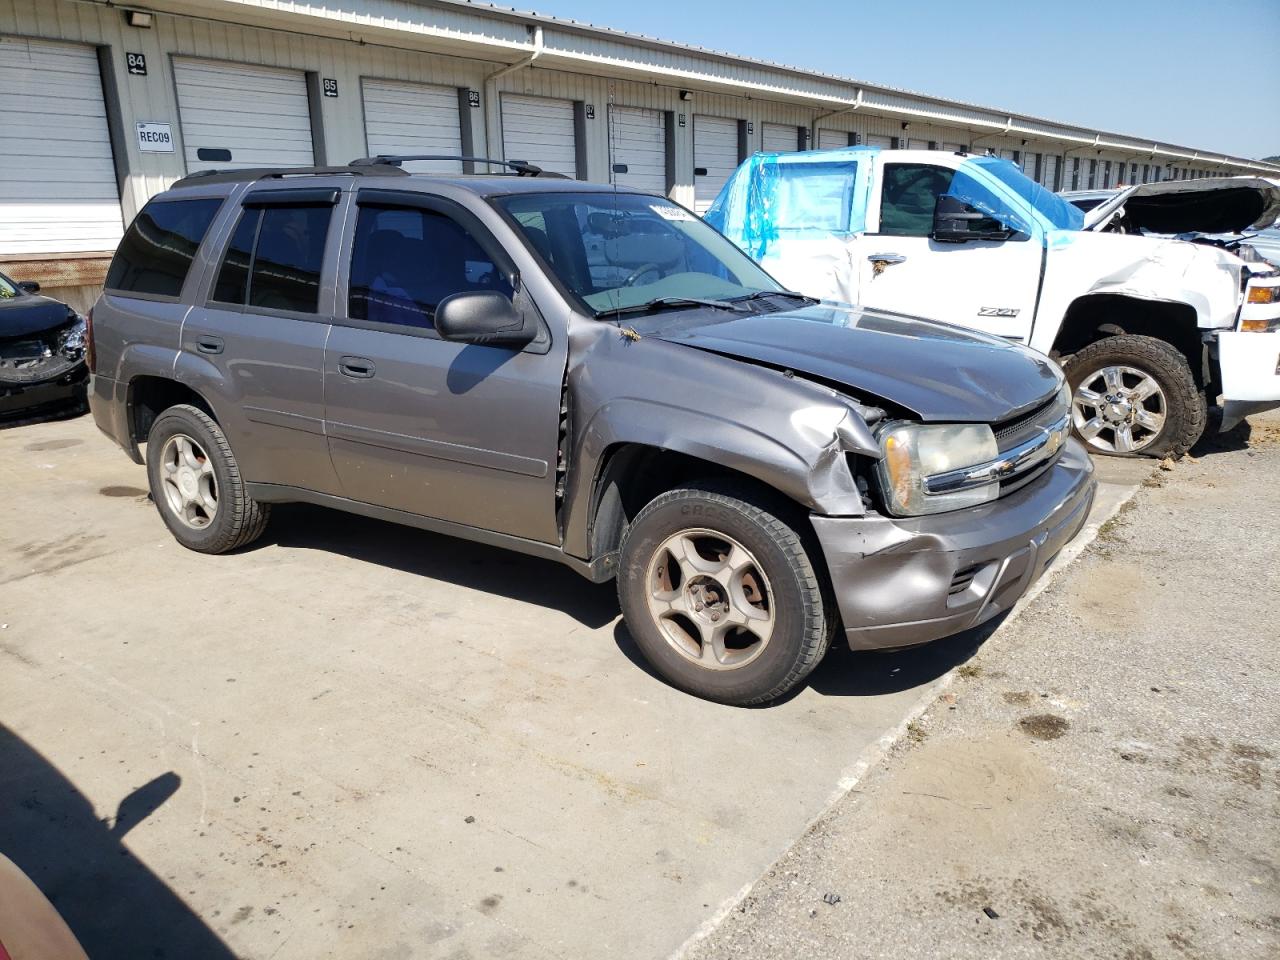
<point x="288" y="258"/>
<point x="160" y="244"/>
<point x="233" y="278"/>
<point x="274" y="258"/>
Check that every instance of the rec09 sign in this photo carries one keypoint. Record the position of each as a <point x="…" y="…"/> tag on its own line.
<point x="154" y="137"/>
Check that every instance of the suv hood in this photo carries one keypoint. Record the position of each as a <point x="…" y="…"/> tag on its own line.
<point x="937" y="371"/>
<point x="1211" y="205"/>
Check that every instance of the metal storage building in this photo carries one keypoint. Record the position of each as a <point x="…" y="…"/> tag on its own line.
<point x="104" y="105"/>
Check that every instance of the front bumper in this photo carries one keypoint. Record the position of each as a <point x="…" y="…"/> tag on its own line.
<point x="902" y="582"/>
<point x="23" y="398"/>
<point x="1250" y="370"/>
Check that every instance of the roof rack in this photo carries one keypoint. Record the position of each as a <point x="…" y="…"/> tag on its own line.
<point x="269" y="173"/>
<point x="522" y="168"/>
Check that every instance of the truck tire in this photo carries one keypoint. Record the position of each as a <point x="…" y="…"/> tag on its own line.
<point x="721" y="596"/>
<point x="196" y="484"/>
<point x="1135" y="396"/>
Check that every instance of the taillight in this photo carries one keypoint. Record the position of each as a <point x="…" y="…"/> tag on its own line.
<point x="90" y="355"/>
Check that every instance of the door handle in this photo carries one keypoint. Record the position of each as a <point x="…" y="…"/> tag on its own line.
<point x="879" y="261"/>
<point x="358" y="367"/>
<point x="209" y="344"/>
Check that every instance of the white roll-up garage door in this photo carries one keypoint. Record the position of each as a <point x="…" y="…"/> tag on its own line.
<point x="1049" y="170"/>
<point x="638" y="141"/>
<point x="260" y="114"/>
<point x="539" y="130"/>
<point x="58" y="190"/>
<point x="832" y="139"/>
<point x="715" y="151"/>
<point x="950" y="147"/>
<point x="876" y="140"/>
<point x="915" y="144"/>
<point x="413" y="118"/>
<point x="780" y="138"/>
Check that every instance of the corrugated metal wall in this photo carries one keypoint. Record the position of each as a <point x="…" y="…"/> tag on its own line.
<point x="471" y="45"/>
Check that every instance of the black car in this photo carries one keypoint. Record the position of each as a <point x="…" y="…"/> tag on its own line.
<point x="42" y="344"/>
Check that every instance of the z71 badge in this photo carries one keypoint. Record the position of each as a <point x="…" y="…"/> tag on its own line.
<point x="998" y="311"/>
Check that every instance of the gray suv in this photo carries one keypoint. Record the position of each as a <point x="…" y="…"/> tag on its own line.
<point x="592" y="375"/>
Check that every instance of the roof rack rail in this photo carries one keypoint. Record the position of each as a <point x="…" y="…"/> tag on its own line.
<point x="522" y="168"/>
<point x="269" y="173"/>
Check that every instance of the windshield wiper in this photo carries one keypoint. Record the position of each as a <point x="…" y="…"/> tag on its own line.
<point x="762" y="294"/>
<point x="664" y="303"/>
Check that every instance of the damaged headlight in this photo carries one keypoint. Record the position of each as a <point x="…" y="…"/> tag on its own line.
<point x="914" y="451"/>
<point x="71" y="342"/>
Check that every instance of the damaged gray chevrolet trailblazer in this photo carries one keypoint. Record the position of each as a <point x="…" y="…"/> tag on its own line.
<point x="587" y="374"/>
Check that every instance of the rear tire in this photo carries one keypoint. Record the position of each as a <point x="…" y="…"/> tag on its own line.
<point x="196" y="483"/>
<point x="1135" y="396"/>
<point x="721" y="596"/>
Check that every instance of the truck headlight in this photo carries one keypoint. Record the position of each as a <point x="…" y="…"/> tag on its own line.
<point x="914" y="451"/>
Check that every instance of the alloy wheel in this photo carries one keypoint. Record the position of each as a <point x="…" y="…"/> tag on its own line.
<point x="711" y="599"/>
<point x="188" y="482"/>
<point x="1119" y="409"/>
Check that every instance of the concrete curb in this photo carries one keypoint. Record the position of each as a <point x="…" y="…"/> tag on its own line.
<point x="877" y="751"/>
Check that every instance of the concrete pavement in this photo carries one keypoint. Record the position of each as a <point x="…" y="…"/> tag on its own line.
<point x="363" y="740"/>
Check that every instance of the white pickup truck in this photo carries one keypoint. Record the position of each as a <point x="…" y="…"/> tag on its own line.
<point x="1147" y="326"/>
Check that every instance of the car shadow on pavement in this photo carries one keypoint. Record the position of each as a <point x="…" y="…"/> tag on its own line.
<point x="871" y="673"/>
<point x="65" y="411"/>
<point x="1212" y="441"/>
<point x="112" y="902"/>
<point x="863" y="673"/>
<point x="449" y="559"/>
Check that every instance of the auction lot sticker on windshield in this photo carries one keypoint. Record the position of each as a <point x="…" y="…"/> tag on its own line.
<point x="154" y="137"/>
<point x="671" y="212"/>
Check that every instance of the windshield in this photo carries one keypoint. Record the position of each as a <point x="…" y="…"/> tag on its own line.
<point x="8" y="288"/>
<point x="1003" y="192"/>
<point x="614" y="251"/>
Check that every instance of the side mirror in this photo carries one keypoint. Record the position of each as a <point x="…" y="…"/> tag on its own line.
<point x="483" y="317"/>
<point x="28" y="286"/>
<point x="954" y="221"/>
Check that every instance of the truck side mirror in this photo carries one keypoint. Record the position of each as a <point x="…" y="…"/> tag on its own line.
<point x="28" y="286"/>
<point x="954" y="221"/>
<point x="483" y="317"/>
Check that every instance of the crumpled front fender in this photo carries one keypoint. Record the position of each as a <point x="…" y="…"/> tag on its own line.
<point x="792" y="435"/>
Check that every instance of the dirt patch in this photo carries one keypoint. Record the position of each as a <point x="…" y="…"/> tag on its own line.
<point x="1044" y="726"/>
<point x="1113" y="591"/>
<point x="1017" y="698"/>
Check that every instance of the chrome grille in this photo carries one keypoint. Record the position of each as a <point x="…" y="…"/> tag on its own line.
<point x="1011" y="433"/>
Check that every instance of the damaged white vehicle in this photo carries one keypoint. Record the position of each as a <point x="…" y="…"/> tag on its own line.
<point x="1148" y="327"/>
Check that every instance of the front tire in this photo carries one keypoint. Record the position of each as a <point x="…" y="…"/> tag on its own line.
<point x="1135" y="396"/>
<point x="196" y="483"/>
<point x="721" y="596"/>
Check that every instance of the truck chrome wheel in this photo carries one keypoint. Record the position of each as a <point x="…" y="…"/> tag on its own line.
<point x="1119" y="409"/>
<point x="189" y="485"/>
<point x="710" y="599"/>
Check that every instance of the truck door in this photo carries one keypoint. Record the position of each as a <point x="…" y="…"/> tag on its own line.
<point x="989" y="285"/>
<point x="466" y="433"/>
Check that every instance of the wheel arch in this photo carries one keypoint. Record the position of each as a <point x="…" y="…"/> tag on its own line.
<point x="1095" y="316"/>
<point x="148" y="396"/>
<point x="633" y="474"/>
